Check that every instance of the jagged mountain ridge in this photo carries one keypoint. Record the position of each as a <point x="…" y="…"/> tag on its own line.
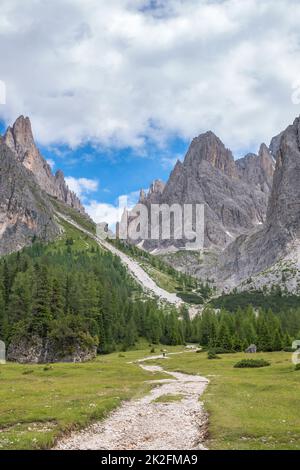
<point x="26" y="182"/>
<point x="235" y="193"/>
<point x="25" y="211"/>
<point x="270" y="255"/>
<point x="19" y="139"/>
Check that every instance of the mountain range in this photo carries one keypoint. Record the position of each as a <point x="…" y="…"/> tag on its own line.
<point x="252" y="212"/>
<point x="252" y="207"/>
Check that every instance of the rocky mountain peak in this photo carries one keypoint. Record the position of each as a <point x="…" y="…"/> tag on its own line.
<point x="157" y="187"/>
<point x="208" y="147"/>
<point x="284" y="205"/>
<point x="154" y="194"/>
<point x="257" y="169"/>
<point x="19" y="138"/>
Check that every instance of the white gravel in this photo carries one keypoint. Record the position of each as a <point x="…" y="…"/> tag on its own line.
<point x="148" y="425"/>
<point x="133" y="267"/>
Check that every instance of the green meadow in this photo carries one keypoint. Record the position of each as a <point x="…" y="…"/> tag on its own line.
<point x="248" y="408"/>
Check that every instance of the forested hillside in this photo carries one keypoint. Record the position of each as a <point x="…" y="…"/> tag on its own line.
<point x="73" y="294"/>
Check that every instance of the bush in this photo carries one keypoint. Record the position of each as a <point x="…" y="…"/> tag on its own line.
<point x="251" y="363"/>
<point x="291" y="350"/>
<point x="190" y="298"/>
<point x="224" y="351"/>
<point x="212" y="354"/>
<point x="297" y="367"/>
<point x="152" y="350"/>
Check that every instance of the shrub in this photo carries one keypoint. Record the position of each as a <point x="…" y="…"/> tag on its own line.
<point x="28" y="371"/>
<point x="297" y="367"/>
<point x="289" y="349"/>
<point x="224" y="351"/>
<point x="212" y="354"/>
<point x="190" y="297"/>
<point x="152" y="350"/>
<point x="251" y="363"/>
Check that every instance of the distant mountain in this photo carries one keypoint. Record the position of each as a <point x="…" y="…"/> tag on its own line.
<point x="270" y="255"/>
<point x="28" y="190"/>
<point x="235" y="194"/>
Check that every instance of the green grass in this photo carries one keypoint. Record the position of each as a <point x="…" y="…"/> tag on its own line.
<point x="163" y="280"/>
<point x="38" y="403"/>
<point x="169" y="398"/>
<point x="81" y="241"/>
<point x="248" y="408"/>
<point x="80" y="219"/>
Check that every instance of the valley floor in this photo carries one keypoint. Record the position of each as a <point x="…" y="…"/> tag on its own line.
<point x="247" y="408"/>
<point x="169" y="417"/>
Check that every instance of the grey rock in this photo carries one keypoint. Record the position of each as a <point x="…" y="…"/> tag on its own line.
<point x="37" y="350"/>
<point x="257" y="169"/>
<point x="234" y="204"/>
<point x="25" y="210"/>
<point x="253" y="253"/>
<point x="19" y="139"/>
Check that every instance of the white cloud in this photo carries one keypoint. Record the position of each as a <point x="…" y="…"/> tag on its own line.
<point x="111" y="213"/>
<point x="82" y="186"/>
<point x="118" y="72"/>
<point x="51" y="163"/>
<point x="102" y="212"/>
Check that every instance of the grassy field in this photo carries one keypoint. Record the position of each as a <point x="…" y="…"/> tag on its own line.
<point x="248" y="408"/>
<point x="163" y="280"/>
<point x="39" y="403"/>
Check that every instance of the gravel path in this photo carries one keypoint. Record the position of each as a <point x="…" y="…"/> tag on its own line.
<point x="133" y="267"/>
<point x="149" y="425"/>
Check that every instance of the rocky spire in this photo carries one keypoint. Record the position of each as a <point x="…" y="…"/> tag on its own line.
<point x="284" y="204"/>
<point x="210" y="148"/>
<point x="20" y="140"/>
<point x="257" y="169"/>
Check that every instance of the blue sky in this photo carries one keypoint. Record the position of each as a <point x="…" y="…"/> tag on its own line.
<point x="116" y="90"/>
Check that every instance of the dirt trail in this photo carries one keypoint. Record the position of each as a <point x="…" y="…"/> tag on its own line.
<point x="147" y="424"/>
<point x="134" y="268"/>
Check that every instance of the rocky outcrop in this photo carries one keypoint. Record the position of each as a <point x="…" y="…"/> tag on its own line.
<point x="154" y="194"/>
<point x="258" y="169"/>
<point x="36" y="350"/>
<point x="234" y="203"/>
<point x="279" y="238"/>
<point x="19" y="139"/>
<point x="25" y="210"/>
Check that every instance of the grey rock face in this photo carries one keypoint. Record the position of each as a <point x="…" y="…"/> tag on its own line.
<point x="36" y="350"/>
<point x="251" y="254"/>
<point x="154" y="194"/>
<point x="234" y="204"/>
<point x="19" y="139"/>
<point x="258" y="169"/>
<point x="25" y="210"/>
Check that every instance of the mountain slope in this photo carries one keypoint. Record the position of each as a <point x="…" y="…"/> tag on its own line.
<point x="279" y="239"/>
<point x="30" y="193"/>
<point x="235" y="202"/>
<point x="25" y="211"/>
<point x="19" y="139"/>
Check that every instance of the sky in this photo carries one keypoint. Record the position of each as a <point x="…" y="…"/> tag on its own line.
<point x="116" y="90"/>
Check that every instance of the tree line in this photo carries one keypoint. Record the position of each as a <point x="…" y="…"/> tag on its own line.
<point x="87" y="297"/>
